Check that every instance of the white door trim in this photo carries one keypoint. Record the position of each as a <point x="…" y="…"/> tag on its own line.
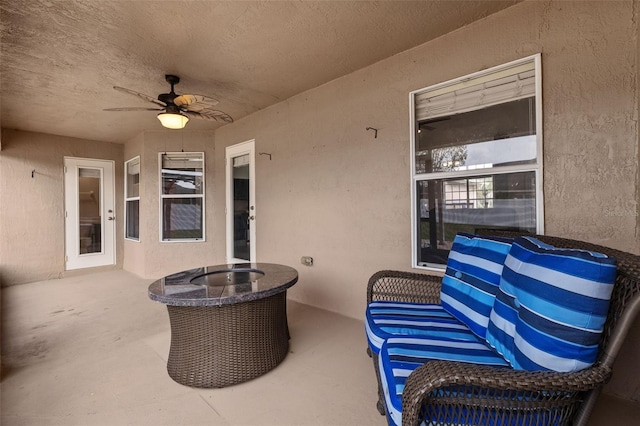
<point x="231" y="152"/>
<point x="107" y="253"/>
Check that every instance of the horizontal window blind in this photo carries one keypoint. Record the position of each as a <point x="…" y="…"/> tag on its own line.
<point x="89" y="173"/>
<point x="243" y="160"/>
<point x="133" y="166"/>
<point x="506" y="84"/>
<point x="182" y="160"/>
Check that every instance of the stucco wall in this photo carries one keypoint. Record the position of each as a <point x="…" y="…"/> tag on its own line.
<point x="334" y="192"/>
<point x="151" y="258"/>
<point x="134" y="254"/>
<point x="32" y="209"/>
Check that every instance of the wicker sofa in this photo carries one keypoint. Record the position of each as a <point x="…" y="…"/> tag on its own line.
<point x="450" y="392"/>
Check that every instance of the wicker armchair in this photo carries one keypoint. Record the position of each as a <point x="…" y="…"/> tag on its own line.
<point x="474" y="394"/>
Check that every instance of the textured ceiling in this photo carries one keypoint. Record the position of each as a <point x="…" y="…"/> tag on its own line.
<point x="60" y="59"/>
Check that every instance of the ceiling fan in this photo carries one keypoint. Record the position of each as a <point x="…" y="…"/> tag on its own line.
<point x="177" y="109"/>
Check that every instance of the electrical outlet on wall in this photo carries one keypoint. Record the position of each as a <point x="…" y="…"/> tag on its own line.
<point x="306" y="260"/>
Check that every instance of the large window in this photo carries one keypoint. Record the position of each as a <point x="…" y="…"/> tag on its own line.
<point x="477" y="157"/>
<point x="182" y="196"/>
<point x="132" y="199"/>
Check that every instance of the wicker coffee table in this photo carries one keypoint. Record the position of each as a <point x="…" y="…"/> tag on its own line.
<point x="228" y="322"/>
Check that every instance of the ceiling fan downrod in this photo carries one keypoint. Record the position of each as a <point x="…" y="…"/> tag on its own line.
<point x="168" y="98"/>
<point x="172" y="80"/>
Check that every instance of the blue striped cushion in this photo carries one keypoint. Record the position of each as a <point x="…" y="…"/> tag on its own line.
<point x="472" y="278"/>
<point x="399" y="356"/>
<point x="388" y="319"/>
<point x="551" y="307"/>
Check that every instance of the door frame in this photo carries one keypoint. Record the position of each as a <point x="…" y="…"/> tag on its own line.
<point x="107" y="255"/>
<point x="238" y="150"/>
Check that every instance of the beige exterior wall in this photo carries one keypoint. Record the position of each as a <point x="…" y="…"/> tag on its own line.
<point x="149" y="257"/>
<point x="134" y="254"/>
<point x="334" y="192"/>
<point x="32" y="209"/>
<point x="32" y="222"/>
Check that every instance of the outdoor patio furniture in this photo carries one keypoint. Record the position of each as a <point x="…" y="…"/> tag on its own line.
<point x="451" y="392"/>
<point x="228" y="322"/>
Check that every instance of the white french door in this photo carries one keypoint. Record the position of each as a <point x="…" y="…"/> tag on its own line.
<point x="241" y="205"/>
<point x="89" y="213"/>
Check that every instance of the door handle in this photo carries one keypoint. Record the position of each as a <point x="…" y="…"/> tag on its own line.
<point x="111" y="218"/>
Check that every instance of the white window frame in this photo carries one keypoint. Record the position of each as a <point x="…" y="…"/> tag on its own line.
<point x="537" y="167"/>
<point x="127" y="199"/>
<point x="162" y="197"/>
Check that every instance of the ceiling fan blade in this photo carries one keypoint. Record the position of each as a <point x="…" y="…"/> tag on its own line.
<point x="133" y="109"/>
<point x="210" y="114"/>
<point x="140" y="95"/>
<point x="192" y="102"/>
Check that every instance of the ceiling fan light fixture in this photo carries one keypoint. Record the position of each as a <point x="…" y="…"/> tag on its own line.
<point x="172" y="120"/>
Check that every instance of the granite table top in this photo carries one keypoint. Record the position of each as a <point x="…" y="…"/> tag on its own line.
<point x="223" y="284"/>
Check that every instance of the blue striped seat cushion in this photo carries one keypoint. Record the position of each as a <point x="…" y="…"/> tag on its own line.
<point x="551" y="308"/>
<point x="399" y="356"/>
<point x="472" y="278"/>
<point x="388" y="319"/>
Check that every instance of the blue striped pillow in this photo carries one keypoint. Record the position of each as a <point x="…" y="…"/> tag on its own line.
<point x="550" y="310"/>
<point x="472" y="278"/>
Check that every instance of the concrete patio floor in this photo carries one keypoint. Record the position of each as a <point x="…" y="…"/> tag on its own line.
<point x="92" y="350"/>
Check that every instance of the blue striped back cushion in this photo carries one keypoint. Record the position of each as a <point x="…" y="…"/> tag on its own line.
<point x="472" y="278"/>
<point x="551" y="307"/>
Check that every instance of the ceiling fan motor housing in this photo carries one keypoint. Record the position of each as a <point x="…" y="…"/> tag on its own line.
<point x="171" y="108"/>
<point x="168" y="98"/>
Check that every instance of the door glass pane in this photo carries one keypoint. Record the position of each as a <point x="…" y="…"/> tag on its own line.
<point x="89" y="211"/>
<point x="241" y="208"/>
<point x="449" y="206"/>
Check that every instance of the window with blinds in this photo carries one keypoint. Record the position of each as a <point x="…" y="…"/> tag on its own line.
<point x="182" y="196"/>
<point x="477" y="157"/>
<point x="132" y="199"/>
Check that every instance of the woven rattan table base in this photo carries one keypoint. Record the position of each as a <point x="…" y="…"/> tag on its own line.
<point x="218" y="346"/>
